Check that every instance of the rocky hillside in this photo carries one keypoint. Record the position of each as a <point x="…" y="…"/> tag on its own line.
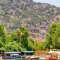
<point x="35" y="16"/>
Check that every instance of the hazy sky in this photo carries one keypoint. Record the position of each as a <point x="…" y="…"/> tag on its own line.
<point x="52" y="2"/>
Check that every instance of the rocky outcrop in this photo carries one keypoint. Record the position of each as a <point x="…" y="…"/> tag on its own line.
<point x="36" y="17"/>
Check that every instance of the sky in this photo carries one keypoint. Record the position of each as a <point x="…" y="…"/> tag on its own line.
<point x="52" y="2"/>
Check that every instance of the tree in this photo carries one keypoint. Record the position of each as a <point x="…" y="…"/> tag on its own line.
<point x="11" y="46"/>
<point x="21" y="36"/>
<point x="53" y="36"/>
<point x="18" y="40"/>
<point x="2" y="37"/>
<point x="2" y="33"/>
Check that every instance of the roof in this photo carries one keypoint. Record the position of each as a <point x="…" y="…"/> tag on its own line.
<point x="12" y="52"/>
<point x="28" y="51"/>
<point x="18" y="52"/>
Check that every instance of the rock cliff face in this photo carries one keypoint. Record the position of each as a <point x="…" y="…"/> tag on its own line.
<point x="36" y="17"/>
<point x="3" y="1"/>
<point x="15" y="1"/>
